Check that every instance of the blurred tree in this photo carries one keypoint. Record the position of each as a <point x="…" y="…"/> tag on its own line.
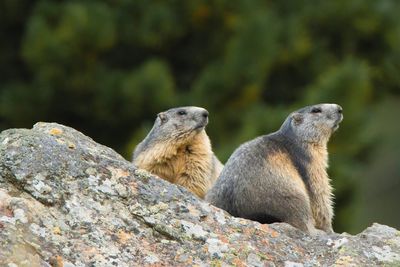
<point x="377" y="192"/>
<point x="108" y="67"/>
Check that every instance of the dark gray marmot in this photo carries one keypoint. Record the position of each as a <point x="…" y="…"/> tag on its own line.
<point x="281" y="177"/>
<point x="178" y="150"/>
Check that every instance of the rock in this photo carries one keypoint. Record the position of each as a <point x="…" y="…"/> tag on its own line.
<point x="67" y="201"/>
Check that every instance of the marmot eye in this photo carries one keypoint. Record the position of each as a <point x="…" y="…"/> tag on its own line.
<point x="316" y="110"/>
<point x="182" y="112"/>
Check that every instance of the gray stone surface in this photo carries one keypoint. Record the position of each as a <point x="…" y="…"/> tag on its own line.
<point x="67" y="201"/>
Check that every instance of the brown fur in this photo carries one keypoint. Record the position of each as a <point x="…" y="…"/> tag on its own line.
<point x="320" y="188"/>
<point x="288" y="170"/>
<point x="187" y="161"/>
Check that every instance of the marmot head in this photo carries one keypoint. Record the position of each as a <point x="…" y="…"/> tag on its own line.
<point x="181" y="122"/>
<point x="314" y="124"/>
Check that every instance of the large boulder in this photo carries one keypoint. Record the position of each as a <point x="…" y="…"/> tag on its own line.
<point x="66" y="200"/>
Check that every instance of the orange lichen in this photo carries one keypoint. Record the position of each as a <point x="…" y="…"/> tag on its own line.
<point x="123" y="236"/>
<point x="238" y="262"/>
<point x="223" y="238"/>
<point x="55" y="131"/>
<point x="56" y="230"/>
<point x="274" y="234"/>
<point x="118" y="173"/>
<point x="57" y="261"/>
<point x="265" y="228"/>
<point x="193" y="210"/>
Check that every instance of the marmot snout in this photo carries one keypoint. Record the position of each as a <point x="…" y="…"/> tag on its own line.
<point x="319" y="125"/>
<point x="183" y="121"/>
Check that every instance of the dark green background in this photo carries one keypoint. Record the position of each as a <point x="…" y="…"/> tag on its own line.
<point x="107" y="68"/>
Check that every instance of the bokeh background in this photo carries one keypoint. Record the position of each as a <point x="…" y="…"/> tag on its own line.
<point x="108" y="67"/>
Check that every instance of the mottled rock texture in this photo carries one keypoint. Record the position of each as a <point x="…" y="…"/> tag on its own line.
<point x="67" y="201"/>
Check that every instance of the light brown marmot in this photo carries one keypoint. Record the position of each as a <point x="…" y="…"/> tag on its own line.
<point x="281" y="177"/>
<point x="178" y="150"/>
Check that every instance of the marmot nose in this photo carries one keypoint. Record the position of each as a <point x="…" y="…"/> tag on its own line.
<point x="205" y="114"/>
<point x="339" y="109"/>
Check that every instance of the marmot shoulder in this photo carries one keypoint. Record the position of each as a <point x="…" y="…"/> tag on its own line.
<point x="282" y="177"/>
<point x="178" y="150"/>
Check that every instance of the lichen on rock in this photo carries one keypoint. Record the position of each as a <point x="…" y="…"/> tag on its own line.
<point x="66" y="200"/>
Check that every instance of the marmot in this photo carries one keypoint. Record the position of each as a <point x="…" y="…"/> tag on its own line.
<point x="281" y="177"/>
<point x="178" y="150"/>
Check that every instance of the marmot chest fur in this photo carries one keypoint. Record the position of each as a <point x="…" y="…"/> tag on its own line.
<point x="281" y="177"/>
<point x="178" y="150"/>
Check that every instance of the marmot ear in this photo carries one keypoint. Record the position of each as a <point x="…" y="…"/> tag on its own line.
<point x="297" y="118"/>
<point x="162" y="116"/>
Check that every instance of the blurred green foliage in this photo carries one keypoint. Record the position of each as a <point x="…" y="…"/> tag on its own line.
<point x="108" y="67"/>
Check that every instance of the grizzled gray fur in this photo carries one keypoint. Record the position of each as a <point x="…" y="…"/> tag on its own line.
<point x="281" y="177"/>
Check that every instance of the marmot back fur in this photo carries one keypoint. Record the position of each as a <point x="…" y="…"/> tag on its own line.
<point x="281" y="177"/>
<point x="178" y="150"/>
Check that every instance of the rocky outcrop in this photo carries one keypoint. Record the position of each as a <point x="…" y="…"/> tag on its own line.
<point x="67" y="201"/>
